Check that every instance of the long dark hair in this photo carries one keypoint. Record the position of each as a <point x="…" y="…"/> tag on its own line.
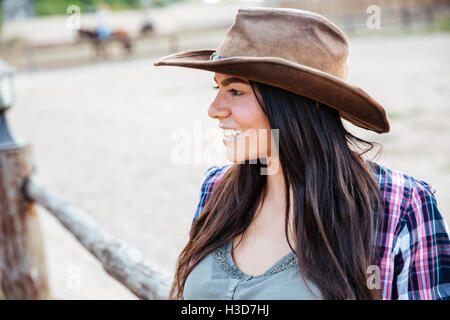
<point x="335" y="197"/>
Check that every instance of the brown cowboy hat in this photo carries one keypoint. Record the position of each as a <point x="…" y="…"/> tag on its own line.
<point x="299" y="51"/>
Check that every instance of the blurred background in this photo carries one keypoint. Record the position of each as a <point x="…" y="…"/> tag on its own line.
<point x="103" y="121"/>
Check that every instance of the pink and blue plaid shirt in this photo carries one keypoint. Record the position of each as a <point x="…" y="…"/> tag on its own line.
<point x="415" y="251"/>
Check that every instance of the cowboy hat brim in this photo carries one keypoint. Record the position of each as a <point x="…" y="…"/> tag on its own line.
<point x="353" y="103"/>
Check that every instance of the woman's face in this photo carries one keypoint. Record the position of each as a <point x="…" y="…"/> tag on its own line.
<point x="245" y="126"/>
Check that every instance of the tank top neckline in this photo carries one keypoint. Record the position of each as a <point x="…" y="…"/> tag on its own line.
<point x="224" y="258"/>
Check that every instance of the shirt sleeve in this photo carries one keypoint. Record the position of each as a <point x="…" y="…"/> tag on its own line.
<point x="211" y="177"/>
<point x="422" y="254"/>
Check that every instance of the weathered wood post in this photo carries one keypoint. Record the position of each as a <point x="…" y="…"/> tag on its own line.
<point x="23" y="272"/>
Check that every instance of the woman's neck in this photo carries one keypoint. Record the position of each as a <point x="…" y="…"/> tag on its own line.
<point x="276" y="187"/>
<point x="274" y="206"/>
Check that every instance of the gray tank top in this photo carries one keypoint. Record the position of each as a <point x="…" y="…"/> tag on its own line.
<point x="216" y="277"/>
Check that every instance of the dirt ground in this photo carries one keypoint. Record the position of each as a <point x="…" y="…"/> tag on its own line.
<point x="103" y="135"/>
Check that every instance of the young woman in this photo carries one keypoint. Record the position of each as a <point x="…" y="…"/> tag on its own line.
<point x="300" y="214"/>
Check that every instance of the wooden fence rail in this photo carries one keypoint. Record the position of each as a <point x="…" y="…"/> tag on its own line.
<point x="121" y="261"/>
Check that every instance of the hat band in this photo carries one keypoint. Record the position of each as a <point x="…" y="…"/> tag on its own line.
<point x="214" y="56"/>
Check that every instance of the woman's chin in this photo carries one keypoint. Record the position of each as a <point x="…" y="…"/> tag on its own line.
<point x="234" y="159"/>
<point x="239" y="150"/>
<point x="241" y="158"/>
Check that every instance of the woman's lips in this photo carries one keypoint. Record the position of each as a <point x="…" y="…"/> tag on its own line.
<point x="231" y="137"/>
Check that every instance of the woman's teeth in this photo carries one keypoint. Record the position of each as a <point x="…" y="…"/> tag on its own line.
<point x="231" y="132"/>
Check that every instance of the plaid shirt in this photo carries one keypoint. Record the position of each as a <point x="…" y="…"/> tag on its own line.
<point x="415" y="250"/>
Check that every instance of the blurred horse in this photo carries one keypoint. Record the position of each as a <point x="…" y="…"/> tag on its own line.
<point x="100" y="46"/>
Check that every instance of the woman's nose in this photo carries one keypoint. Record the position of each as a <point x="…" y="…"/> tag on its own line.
<point x="218" y="109"/>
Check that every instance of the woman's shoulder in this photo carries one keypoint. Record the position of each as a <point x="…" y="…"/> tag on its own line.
<point x="402" y="193"/>
<point x="210" y="179"/>
<point x="393" y="184"/>
<point x="405" y="197"/>
<point x="398" y="182"/>
<point x="213" y="175"/>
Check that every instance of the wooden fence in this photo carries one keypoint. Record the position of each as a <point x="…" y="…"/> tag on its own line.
<point x="23" y="272"/>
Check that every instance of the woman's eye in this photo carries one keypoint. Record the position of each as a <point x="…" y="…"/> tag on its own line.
<point x="233" y="91"/>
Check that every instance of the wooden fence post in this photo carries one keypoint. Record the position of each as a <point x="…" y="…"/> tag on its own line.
<point x="23" y="272"/>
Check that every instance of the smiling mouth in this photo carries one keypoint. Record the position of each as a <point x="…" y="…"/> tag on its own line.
<point x="231" y="134"/>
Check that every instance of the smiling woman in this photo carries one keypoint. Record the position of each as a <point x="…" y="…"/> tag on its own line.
<point x="326" y="223"/>
<point x="242" y="119"/>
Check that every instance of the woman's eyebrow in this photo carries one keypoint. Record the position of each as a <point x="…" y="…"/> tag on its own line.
<point x="231" y="80"/>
